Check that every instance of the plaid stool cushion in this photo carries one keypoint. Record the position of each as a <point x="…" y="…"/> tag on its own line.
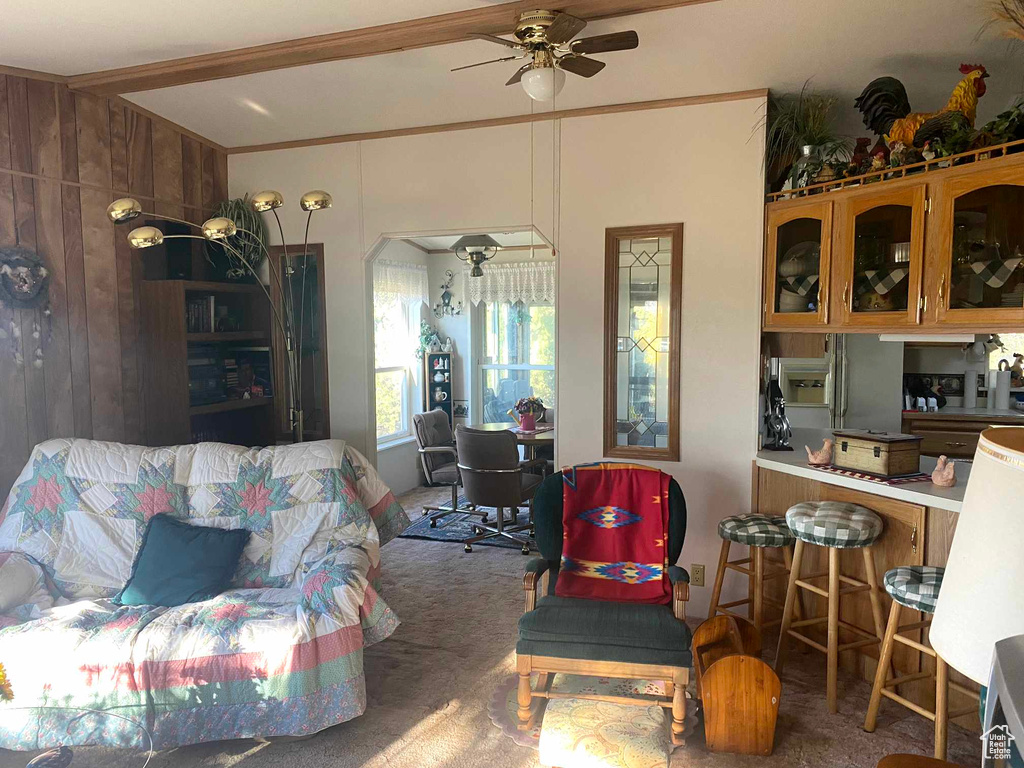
<point x="915" y="586"/>
<point x="835" y="524"/>
<point x="756" y="530"/>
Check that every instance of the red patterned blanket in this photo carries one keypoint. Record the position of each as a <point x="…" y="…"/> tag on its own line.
<point x="615" y="534"/>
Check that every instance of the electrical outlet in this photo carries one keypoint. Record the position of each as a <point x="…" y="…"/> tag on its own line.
<point x="696" y="575"/>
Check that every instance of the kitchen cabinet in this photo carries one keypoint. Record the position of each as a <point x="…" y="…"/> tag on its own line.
<point x="931" y="251"/>
<point x="879" y="257"/>
<point x="954" y="434"/>
<point x="797" y="261"/>
<point x="976" y="248"/>
<point x="914" y="534"/>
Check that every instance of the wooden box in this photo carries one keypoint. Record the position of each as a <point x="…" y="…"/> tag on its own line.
<point x="888" y="454"/>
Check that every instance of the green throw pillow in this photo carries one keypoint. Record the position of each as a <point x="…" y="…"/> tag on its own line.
<point x="180" y="563"/>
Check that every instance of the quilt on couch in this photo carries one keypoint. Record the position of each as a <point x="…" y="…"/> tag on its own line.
<point x="279" y="653"/>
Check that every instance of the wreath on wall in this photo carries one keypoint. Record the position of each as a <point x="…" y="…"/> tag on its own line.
<point x="25" y="284"/>
<point x="24" y="279"/>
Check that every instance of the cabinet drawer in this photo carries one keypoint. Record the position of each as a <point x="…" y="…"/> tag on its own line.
<point x="959" y="445"/>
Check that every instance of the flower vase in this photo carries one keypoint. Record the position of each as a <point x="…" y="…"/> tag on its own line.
<point x="528" y="422"/>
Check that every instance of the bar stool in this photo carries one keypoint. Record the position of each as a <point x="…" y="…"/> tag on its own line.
<point x="915" y="587"/>
<point x="834" y="525"/>
<point x="759" y="532"/>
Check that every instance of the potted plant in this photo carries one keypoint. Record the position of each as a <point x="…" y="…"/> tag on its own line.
<point x="529" y="408"/>
<point x="248" y="240"/>
<point x="801" y="136"/>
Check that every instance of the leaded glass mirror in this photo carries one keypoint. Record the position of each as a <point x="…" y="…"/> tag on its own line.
<point x="643" y="282"/>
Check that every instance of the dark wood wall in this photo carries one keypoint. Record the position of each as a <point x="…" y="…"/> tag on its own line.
<point x="64" y="157"/>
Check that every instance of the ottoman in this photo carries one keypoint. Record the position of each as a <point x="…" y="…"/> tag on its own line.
<point x="579" y="733"/>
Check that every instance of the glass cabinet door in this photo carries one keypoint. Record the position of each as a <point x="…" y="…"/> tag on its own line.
<point x="880" y="252"/>
<point x="981" y="256"/>
<point x="797" y="265"/>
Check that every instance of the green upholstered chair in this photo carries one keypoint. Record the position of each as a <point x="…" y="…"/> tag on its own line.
<point x="594" y="637"/>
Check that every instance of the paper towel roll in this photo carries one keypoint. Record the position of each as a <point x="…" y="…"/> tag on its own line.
<point x="970" y="389"/>
<point x="1003" y="390"/>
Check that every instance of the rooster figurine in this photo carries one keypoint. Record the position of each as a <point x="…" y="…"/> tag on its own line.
<point x="821" y="457"/>
<point x="944" y="474"/>
<point x="886" y="109"/>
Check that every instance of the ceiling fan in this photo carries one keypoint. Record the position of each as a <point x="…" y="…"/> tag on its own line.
<point x="546" y="38"/>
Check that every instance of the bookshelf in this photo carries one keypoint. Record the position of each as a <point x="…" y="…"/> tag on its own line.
<point x="437" y="394"/>
<point x="209" y="367"/>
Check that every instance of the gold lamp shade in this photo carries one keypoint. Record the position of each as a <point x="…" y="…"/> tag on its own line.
<point x="316" y="200"/>
<point x="145" y="237"/>
<point x="218" y="228"/>
<point x="267" y="200"/>
<point x="123" y="209"/>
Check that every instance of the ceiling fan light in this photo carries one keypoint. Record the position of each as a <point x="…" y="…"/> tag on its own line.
<point x="543" y="83"/>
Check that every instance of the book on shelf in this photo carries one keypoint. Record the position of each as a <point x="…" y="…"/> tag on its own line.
<point x="201" y="314"/>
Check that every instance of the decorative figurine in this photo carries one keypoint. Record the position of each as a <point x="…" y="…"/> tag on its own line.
<point x="944" y="474"/>
<point x="822" y="457"/>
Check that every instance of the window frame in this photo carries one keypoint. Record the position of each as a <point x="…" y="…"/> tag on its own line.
<point x="409" y="385"/>
<point x="611" y="313"/>
<point x="481" y="368"/>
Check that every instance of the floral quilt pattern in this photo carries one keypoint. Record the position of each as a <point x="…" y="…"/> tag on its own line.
<point x="279" y="653"/>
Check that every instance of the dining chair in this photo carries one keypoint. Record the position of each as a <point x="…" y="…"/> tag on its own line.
<point x="493" y="476"/>
<point x="436" y="447"/>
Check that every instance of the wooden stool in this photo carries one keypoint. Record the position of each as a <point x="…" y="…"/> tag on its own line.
<point x="834" y="525"/>
<point x="758" y="532"/>
<point x="915" y="587"/>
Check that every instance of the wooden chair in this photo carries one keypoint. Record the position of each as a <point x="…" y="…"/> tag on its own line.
<point x="593" y="637"/>
<point x="915" y="588"/>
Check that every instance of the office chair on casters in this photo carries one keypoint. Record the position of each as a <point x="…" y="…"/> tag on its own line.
<point x="436" y="446"/>
<point x="493" y="476"/>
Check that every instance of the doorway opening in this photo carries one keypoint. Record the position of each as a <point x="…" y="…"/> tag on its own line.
<point x="469" y="346"/>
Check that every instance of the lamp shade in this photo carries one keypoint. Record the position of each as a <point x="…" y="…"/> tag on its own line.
<point x="981" y="600"/>
<point x="543" y="83"/>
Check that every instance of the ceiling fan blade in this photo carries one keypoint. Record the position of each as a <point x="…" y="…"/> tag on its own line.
<point x="482" y="63"/>
<point x="616" y="41"/>
<point x="563" y="29"/>
<point x="495" y="39"/>
<point x="581" y="66"/>
<point x="518" y="76"/>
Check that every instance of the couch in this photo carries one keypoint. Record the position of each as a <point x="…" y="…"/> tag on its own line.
<point x="279" y="653"/>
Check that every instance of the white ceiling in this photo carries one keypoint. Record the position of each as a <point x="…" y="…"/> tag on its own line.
<point x="722" y="46"/>
<point x="506" y="239"/>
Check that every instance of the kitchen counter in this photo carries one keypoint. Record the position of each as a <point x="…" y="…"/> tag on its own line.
<point x="973" y="414"/>
<point x="924" y="493"/>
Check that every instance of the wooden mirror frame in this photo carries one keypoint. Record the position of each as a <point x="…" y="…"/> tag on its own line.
<point x="611" y="311"/>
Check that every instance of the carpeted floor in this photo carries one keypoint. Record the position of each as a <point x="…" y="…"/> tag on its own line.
<point x="430" y="683"/>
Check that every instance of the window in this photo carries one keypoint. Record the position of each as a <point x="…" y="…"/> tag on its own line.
<point x="399" y="291"/>
<point x="643" y="284"/>
<point x="517" y="356"/>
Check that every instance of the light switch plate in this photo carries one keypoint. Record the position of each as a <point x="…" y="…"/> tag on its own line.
<point x="697" y="575"/>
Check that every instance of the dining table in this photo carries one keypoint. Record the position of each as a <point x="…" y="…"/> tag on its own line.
<point x="544" y="435"/>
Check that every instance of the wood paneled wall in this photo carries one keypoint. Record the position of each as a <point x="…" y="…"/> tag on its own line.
<point x="64" y="157"/>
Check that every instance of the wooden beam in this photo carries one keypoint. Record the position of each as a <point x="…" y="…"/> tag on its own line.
<point x="632" y="106"/>
<point x="355" y="43"/>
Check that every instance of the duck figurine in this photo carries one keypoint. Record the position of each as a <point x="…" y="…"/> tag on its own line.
<point x="821" y="457"/>
<point x="944" y="474"/>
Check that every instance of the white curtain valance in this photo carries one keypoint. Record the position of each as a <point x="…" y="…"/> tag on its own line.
<point x="531" y="282"/>
<point x="400" y="280"/>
